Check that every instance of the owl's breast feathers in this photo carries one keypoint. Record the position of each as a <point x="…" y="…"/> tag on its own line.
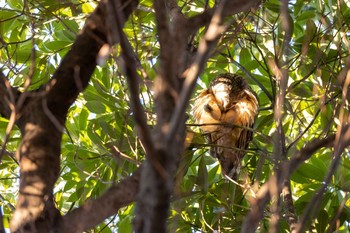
<point x="226" y="112"/>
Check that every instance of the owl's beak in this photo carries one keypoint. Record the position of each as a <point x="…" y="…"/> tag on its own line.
<point x="225" y="103"/>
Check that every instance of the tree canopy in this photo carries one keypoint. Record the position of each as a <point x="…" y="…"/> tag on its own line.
<point x="96" y="128"/>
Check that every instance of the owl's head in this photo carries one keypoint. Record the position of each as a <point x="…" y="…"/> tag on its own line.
<point x="227" y="89"/>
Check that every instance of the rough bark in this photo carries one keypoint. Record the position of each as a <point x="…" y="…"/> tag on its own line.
<point x="95" y="211"/>
<point x="41" y="123"/>
<point x="263" y="197"/>
<point x="173" y="87"/>
<point x="42" y="117"/>
<point x="8" y="95"/>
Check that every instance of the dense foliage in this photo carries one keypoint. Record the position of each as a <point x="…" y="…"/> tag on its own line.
<point x="101" y="145"/>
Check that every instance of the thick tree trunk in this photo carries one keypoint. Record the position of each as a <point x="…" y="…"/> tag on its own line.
<point x="39" y="159"/>
<point x="41" y="121"/>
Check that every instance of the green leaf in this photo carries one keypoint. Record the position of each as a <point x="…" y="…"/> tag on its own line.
<point x="96" y="107"/>
<point x="274" y="6"/>
<point x="322" y="221"/>
<point x="57" y="45"/>
<point x="310" y="171"/>
<point x="83" y="118"/>
<point x="306" y="15"/>
<point x="303" y="89"/>
<point x="244" y="57"/>
<point x="125" y="225"/>
<point x="15" y="4"/>
<point x="87" y="8"/>
<point x="202" y="178"/>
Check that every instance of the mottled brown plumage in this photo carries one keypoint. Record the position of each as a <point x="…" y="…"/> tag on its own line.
<point x="224" y="111"/>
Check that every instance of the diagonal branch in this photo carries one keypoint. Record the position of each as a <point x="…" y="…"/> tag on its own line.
<point x="342" y="140"/>
<point x="314" y="203"/>
<point x="133" y="81"/>
<point x="232" y="7"/>
<point x="95" y="211"/>
<point x="8" y="96"/>
<point x="280" y="69"/>
<point x="207" y="43"/>
<point x="263" y="197"/>
<point x="213" y="17"/>
<point x="42" y="121"/>
<point x="76" y="68"/>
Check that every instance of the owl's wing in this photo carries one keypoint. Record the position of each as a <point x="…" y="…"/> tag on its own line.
<point x="245" y="137"/>
<point x="207" y="114"/>
<point x="235" y="139"/>
<point x="228" y="150"/>
<point x="226" y="131"/>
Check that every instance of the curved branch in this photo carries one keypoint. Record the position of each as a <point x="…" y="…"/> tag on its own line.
<point x="342" y="140"/>
<point x="95" y="211"/>
<point x="263" y="197"/>
<point x="8" y="95"/>
<point x="76" y="68"/>
<point x="231" y="7"/>
<point x="133" y="81"/>
<point x="42" y="120"/>
<point x="291" y="216"/>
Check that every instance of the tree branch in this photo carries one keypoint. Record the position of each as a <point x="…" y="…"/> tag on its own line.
<point x="8" y="109"/>
<point x="207" y="43"/>
<point x="232" y="7"/>
<point x="2" y="229"/>
<point x="42" y="120"/>
<point x="76" y="68"/>
<point x="8" y="95"/>
<point x="133" y="82"/>
<point x="215" y="29"/>
<point x="313" y="205"/>
<point x="263" y="197"/>
<point x="342" y="140"/>
<point x="279" y="152"/>
<point x="290" y="213"/>
<point x="332" y="225"/>
<point x="95" y="211"/>
<point x="152" y="209"/>
<point x="156" y="180"/>
<point x="257" y="208"/>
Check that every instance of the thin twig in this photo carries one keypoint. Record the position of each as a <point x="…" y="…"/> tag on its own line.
<point x="215" y="29"/>
<point x="263" y="196"/>
<point x="108" y="204"/>
<point x="342" y="139"/>
<point x="281" y="72"/>
<point x="117" y="154"/>
<point x="338" y="213"/>
<point x="132" y="78"/>
<point x="10" y="111"/>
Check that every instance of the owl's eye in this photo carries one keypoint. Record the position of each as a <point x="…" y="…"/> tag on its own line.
<point x="208" y="108"/>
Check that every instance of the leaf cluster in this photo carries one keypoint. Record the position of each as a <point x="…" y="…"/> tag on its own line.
<point x="101" y="144"/>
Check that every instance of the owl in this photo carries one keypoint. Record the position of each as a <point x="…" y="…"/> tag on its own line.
<point x="226" y="112"/>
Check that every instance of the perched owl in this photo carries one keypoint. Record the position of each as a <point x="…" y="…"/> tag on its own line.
<point x="224" y="111"/>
